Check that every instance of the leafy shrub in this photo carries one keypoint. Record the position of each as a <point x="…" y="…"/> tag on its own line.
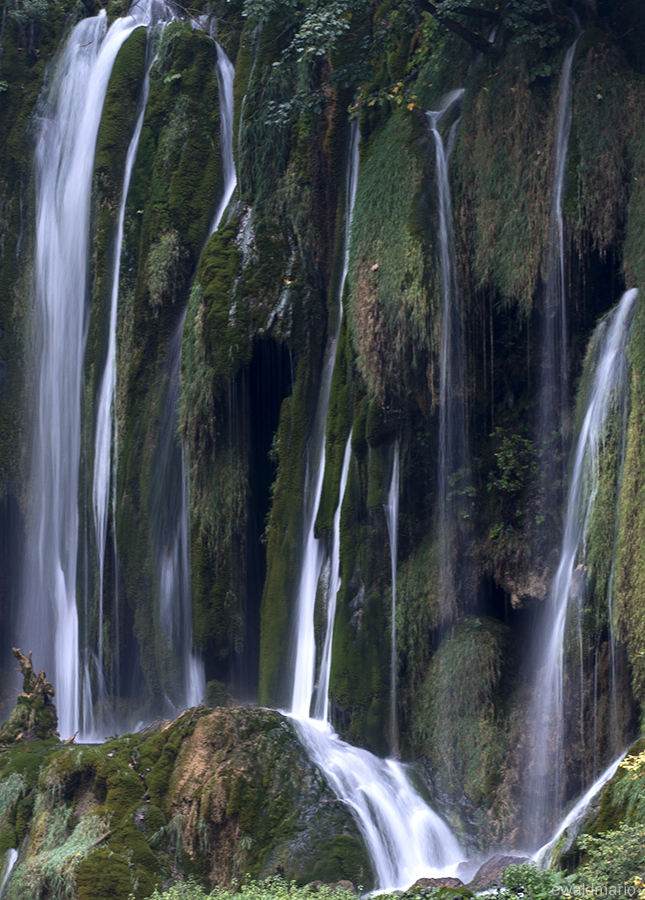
<point x="270" y="889"/>
<point x="613" y="858"/>
<point x="534" y="884"/>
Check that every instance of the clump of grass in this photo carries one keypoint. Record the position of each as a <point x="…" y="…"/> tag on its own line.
<point x="51" y="872"/>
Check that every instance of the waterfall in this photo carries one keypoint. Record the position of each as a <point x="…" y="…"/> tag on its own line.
<point x="405" y="838"/>
<point x="171" y="517"/>
<point x="69" y="120"/>
<point x="452" y="464"/>
<point x="322" y="695"/>
<point x="554" y="389"/>
<point x="392" y="519"/>
<point x="173" y="533"/>
<point x="225" y="72"/>
<point x="608" y="386"/>
<point x="305" y="661"/>
<point x="105" y="459"/>
<point x="11" y="858"/>
<point x="184" y="685"/>
<point x="576" y="816"/>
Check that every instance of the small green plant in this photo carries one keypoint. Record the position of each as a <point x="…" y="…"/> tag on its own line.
<point x="531" y="883"/>
<point x="515" y="462"/>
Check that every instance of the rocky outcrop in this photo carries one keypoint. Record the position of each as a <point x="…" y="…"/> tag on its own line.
<point x="217" y="794"/>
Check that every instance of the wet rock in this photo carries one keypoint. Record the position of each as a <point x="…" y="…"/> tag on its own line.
<point x="488" y="874"/>
<point x="423" y="884"/>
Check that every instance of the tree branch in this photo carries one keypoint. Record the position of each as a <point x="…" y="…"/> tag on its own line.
<point x="479" y="43"/>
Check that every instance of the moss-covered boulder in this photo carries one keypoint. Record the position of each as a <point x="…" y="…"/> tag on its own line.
<point x="216" y="794"/>
<point x="34" y="716"/>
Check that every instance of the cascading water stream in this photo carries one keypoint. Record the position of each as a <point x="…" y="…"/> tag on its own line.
<point x="554" y="389"/>
<point x="172" y="533"/>
<point x="305" y="662"/>
<point x="609" y="383"/>
<point x="392" y="519"/>
<point x="225" y="71"/>
<point x="452" y="415"/>
<point x="64" y="160"/>
<point x="105" y="461"/>
<point x="405" y="838"/>
<point x="171" y="536"/>
<point x="322" y="694"/>
<point x="11" y="858"/>
<point x="576" y="816"/>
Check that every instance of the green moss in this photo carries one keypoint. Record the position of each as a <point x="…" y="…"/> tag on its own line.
<point x="53" y="869"/>
<point x="33" y="717"/>
<point x="8" y="839"/>
<point x="26" y="759"/>
<point x="630" y="572"/>
<point x="284" y="538"/>
<point x="337" y="431"/>
<point x="392" y="276"/>
<point x="155" y="820"/>
<point x="262" y="146"/>
<point x="159" y="778"/>
<point x="175" y="185"/>
<point x="634" y="255"/>
<point x="456" y="720"/>
<point x="360" y="673"/>
<point x="502" y="168"/>
<point x="602" y="139"/>
<point x="119" y="114"/>
<point x="104" y="876"/>
<point x="418" y="615"/>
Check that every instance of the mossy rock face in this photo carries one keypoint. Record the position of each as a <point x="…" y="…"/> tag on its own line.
<point x="361" y="661"/>
<point x="394" y="286"/>
<point x="630" y="570"/>
<point x="33" y="718"/>
<point x="245" y="787"/>
<point x="621" y="801"/>
<point x="175" y="187"/>
<point x="217" y="794"/>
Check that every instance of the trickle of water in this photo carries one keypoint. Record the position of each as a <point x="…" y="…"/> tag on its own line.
<point x="452" y="461"/>
<point x="609" y="384"/>
<point x="69" y="119"/>
<point x="185" y="686"/>
<point x="322" y="695"/>
<point x="11" y="858"/>
<point x="576" y="816"/>
<point x="106" y="420"/>
<point x="392" y="519"/>
<point x="305" y="662"/>
<point x="554" y="390"/>
<point x="225" y="73"/>
<point x="405" y="838"/>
